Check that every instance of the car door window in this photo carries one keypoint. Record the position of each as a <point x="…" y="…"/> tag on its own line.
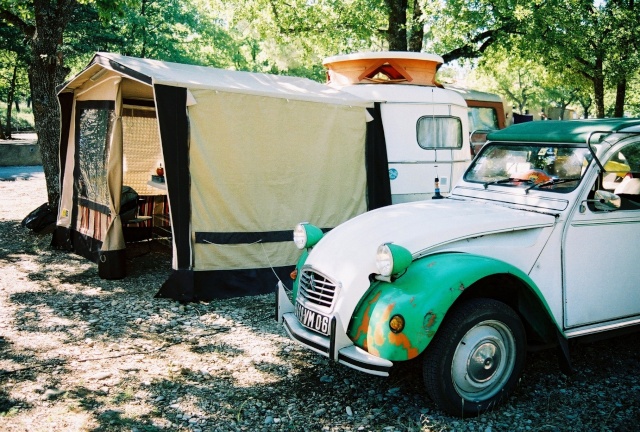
<point x="622" y="176"/>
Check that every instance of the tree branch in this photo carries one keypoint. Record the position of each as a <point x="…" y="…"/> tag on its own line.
<point x="471" y="50"/>
<point x="11" y="18"/>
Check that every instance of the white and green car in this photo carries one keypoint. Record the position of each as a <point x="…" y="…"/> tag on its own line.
<point x="536" y="244"/>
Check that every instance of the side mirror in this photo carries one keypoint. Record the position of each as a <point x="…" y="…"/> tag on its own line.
<point x="603" y="201"/>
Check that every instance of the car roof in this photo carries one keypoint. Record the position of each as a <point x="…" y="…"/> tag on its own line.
<point x="563" y="131"/>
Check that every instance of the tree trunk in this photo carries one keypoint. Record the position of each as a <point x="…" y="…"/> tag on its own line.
<point x="621" y="92"/>
<point x="397" y="33"/>
<point x="46" y="71"/>
<point x="2" y="131"/>
<point x="598" y="89"/>
<point x="143" y="14"/>
<point x="417" y="28"/>
<point x="10" y="95"/>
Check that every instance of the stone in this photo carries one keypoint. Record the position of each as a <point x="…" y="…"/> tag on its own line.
<point x="102" y="375"/>
<point x="51" y="393"/>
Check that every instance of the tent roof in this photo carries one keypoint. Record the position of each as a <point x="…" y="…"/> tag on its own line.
<point x="151" y="72"/>
<point x="570" y="131"/>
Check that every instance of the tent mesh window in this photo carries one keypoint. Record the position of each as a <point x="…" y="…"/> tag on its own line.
<point x="94" y="124"/>
<point x="140" y="148"/>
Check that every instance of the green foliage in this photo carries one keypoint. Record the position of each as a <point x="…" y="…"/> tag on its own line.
<point x="20" y="121"/>
<point x="294" y="37"/>
<point x="531" y="52"/>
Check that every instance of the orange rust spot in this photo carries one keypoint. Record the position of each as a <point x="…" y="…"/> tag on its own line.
<point x="403" y="341"/>
<point x="387" y="312"/>
<point x="430" y="319"/>
<point x="378" y="334"/>
<point x="374" y="351"/>
<point x="364" y="325"/>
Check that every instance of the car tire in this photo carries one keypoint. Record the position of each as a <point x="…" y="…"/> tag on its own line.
<point x="476" y="357"/>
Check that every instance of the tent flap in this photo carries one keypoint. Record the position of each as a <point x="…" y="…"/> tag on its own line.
<point x="174" y="126"/>
<point x="260" y="165"/>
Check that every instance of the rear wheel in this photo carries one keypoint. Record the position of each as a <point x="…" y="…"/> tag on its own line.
<point x="475" y="358"/>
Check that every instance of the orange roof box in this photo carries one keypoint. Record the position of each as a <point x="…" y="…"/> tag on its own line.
<point x="385" y="67"/>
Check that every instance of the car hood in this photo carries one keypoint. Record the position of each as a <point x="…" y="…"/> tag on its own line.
<point x="347" y="253"/>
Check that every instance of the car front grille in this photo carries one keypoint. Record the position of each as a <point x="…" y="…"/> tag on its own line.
<point x="317" y="289"/>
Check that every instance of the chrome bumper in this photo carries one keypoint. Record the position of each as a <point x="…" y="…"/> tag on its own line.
<point x="336" y="346"/>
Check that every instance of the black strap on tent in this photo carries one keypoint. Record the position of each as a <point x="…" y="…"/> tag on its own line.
<point x="378" y="186"/>
<point x="66" y="106"/>
<point x="61" y="237"/>
<point x="171" y="107"/>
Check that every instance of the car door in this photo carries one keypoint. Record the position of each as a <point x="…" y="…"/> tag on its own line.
<point x="602" y="250"/>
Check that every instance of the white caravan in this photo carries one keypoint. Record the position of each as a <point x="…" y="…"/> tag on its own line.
<point x="425" y="126"/>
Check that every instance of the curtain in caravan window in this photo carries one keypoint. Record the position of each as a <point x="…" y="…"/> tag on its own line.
<point x="94" y="122"/>
<point x="439" y="132"/>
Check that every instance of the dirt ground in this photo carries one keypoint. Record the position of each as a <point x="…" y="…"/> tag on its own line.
<point x="78" y="353"/>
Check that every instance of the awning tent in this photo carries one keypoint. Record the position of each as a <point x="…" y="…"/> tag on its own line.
<point x="246" y="156"/>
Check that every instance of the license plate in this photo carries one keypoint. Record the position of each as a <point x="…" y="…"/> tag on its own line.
<point x="313" y="320"/>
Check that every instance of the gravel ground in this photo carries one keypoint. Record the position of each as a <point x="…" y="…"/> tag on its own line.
<point x="78" y="353"/>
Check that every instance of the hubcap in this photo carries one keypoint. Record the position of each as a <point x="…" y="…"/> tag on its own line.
<point x="483" y="361"/>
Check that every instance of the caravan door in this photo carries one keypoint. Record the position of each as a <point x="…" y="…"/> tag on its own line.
<point x="425" y="142"/>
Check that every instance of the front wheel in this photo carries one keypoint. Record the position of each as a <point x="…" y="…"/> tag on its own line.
<point x="476" y="357"/>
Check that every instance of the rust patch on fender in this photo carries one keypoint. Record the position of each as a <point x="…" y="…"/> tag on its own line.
<point x="403" y="341"/>
<point x="428" y="322"/>
<point x="378" y="333"/>
<point x="363" y="328"/>
<point x="400" y="340"/>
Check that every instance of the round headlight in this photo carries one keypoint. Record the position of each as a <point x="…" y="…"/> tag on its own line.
<point x="300" y="236"/>
<point x="392" y="259"/>
<point x="306" y="235"/>
<point x="384" y="260"/>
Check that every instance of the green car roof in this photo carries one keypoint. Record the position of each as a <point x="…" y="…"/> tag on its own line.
<point x="562" y="131"/>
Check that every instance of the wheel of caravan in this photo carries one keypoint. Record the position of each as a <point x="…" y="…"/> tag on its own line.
<point x="475" y="358"/>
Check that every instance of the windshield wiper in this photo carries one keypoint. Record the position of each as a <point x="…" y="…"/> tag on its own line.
<point x="552" y="181"/>
<point x="504" y="180"/>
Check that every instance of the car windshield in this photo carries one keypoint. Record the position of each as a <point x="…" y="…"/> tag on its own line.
<point x="556" y="168"/>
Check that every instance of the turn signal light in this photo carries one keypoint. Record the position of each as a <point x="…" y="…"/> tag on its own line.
<point x="396" y="323"/>
<point x="294" y="274"/>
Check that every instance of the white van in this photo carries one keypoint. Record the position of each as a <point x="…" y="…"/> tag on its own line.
<point x="424" y="125"/>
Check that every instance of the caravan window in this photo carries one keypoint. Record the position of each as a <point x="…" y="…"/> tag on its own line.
<point x="481" y="118"/>
<point x="439" y="132"/>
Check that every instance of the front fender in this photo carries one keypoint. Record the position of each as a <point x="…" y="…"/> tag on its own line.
<point x="423" y="295"/>
<point x="299" y="264"/>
